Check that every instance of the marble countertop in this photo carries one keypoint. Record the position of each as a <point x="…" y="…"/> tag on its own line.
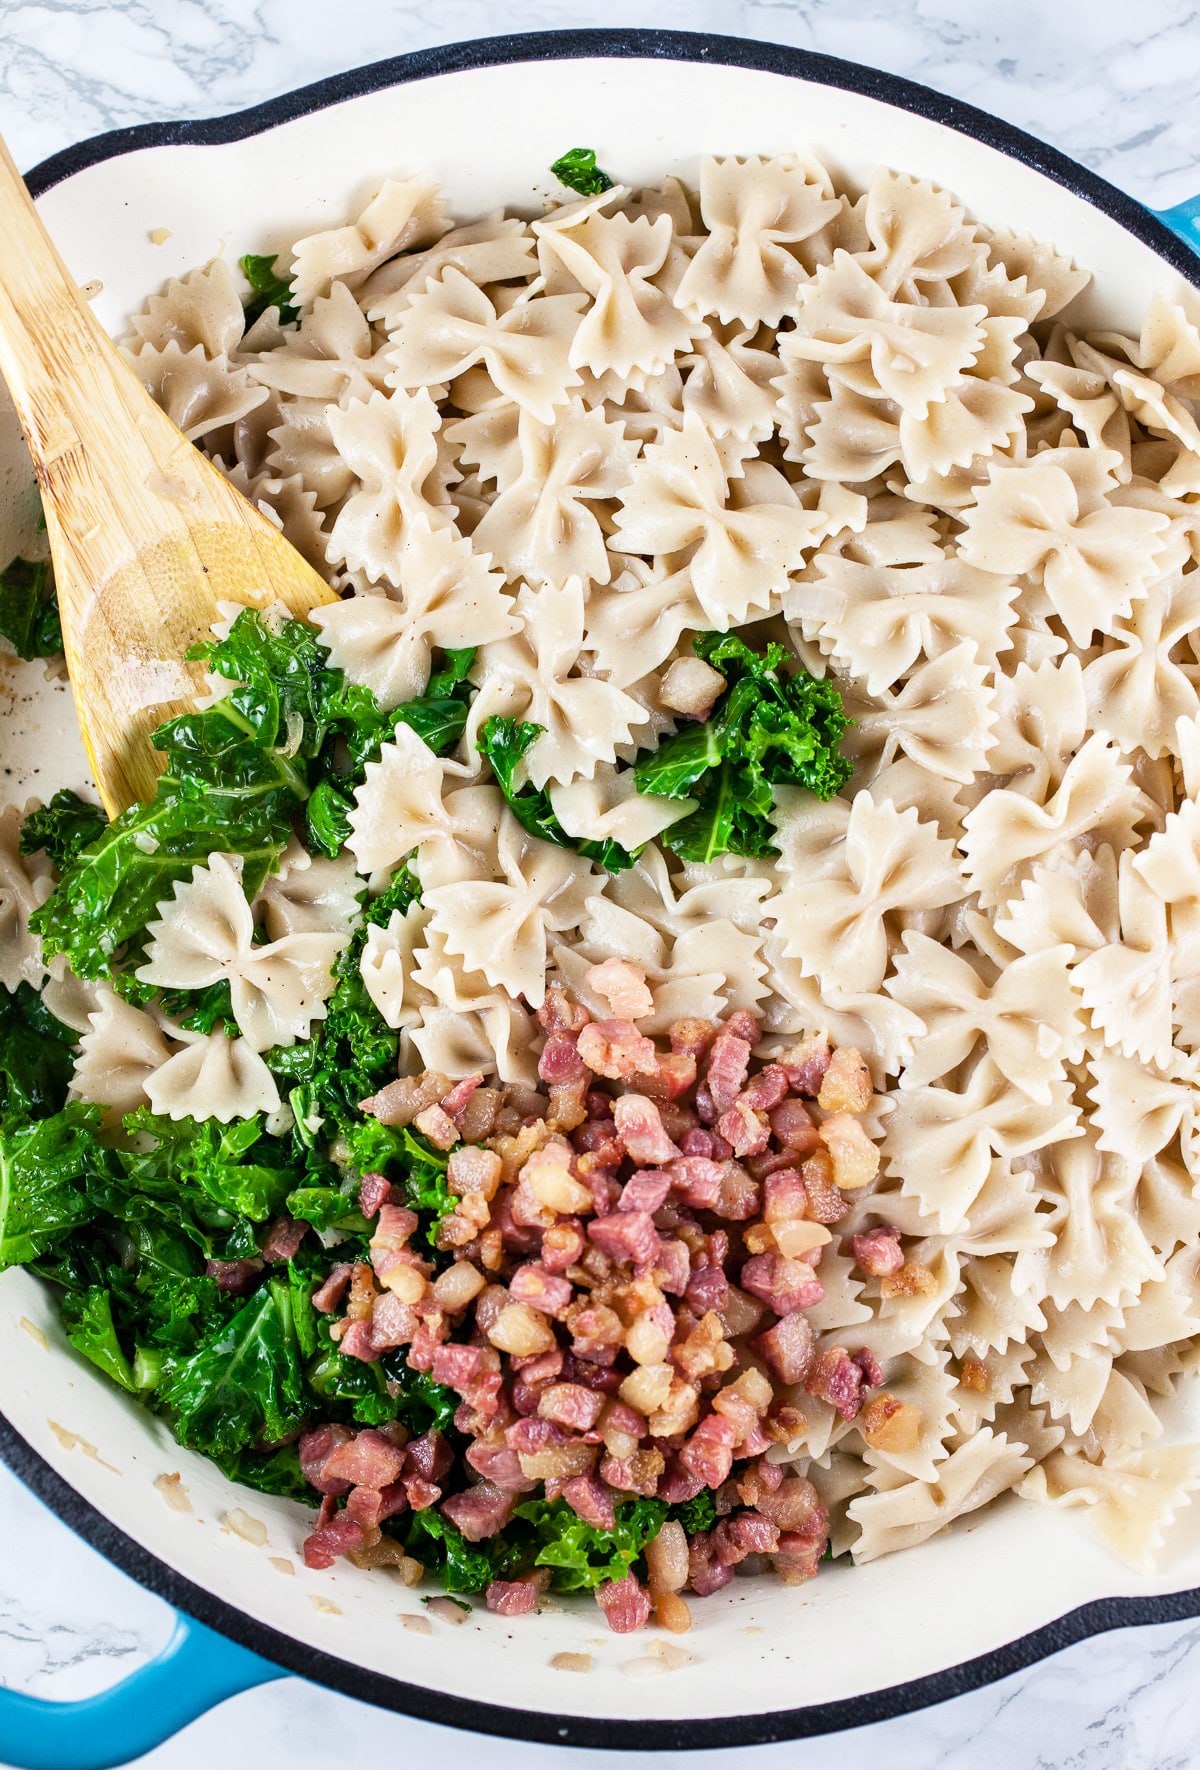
<point x="1110" y="83"/>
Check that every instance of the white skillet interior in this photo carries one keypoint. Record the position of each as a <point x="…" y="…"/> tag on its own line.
<point x="488" y="136"/>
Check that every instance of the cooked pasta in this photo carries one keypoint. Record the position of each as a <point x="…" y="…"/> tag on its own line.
<point x="863" y="428"/>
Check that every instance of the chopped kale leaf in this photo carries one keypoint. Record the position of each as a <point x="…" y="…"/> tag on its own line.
<point x="577" y="169"/>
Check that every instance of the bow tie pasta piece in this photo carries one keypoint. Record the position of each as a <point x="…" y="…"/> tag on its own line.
<point x="1139" y="1109"/>
<point x="399" y="807"/>
<point x="499" y="927"/>
<point x="203" y="396"/>
<point x="531" y="677"/>
<point x="1135" y="689"/>
<point x="919" y="235"/>
<point x="465" y="1024"/>
<point x="942" y="717"/>
<point x="731" y="386"/>
<point x="1028" y="1017"/>
<point x="446" y="597"/>
<point x="206" y="935"/>
<point x="1126" y="986"/>
<point x="498" y="249"/>
<point x="940" y="1142"/>
<point x="1132" y="1500"/>
<point x="876" y="621"/>
<point x="403" y="214"/>
<point x="610" y="807"/>
<point x="887" y="863"/>
<point x="527" y="349"/>
<point x="391" y="443"/>
<point x="25" y="884"/>
<point x="679" y="498"/>
<point x="634" y="624"/>
<point x="754" y="209"/>
<point x="1052" y="279"/>
<point x="1042" y="720"/>
<point x="214" y="1077"/>
<point x="201" y="308"/>
<point x="900" y="1516"/>
<point x="309" y="894"/>
<point x="386" y="965"/>
<point x="1006" y="832"/>
<point x="1087" y="397"/>
<point x="331" y="356"/>
<point x="1052" y="517"/>
<point x="883" y="350"/>
<point x="1099" y="1253"/>
<point x="541" y="527"/>
<point x="883" y="1030"/>
<point x="631" y="324"/>
<point x="122" y="1049"/>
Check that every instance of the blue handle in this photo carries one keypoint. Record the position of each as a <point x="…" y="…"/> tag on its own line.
<point x="1184" y="220"/>
<point x="195" y="1670"/>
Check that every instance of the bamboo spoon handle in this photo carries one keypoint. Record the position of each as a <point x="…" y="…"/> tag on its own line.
<point x="46" y="327"/>
<point x="147" y="537"/>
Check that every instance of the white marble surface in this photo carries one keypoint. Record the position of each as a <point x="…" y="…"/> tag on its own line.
<point x="1112" y="83"/>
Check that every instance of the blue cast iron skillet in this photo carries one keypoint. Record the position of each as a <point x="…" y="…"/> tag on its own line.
<point x="217" y="1651"/>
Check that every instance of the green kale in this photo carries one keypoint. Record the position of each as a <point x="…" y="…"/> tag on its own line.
<point x="45" y="1171"/>
<point x="290" y="730"/>
<point x="278" y="1471"/>
<point x="441" y="1547"/>
<point x="28" y="610"/>
<point x="351" y="1053"/>
<point x="504" y="742"/>
<point x="577" y="169"/>
<point x="767" y="728"/>
<point x="201" y="1010"/>
<point x="695" y="1514"/>
<point x="360" y="1388"/>
<point x="221" y="1171"/>
<point x="422" y="1404"/>
<point x="36" y="1055"/>
<point x="267" y="288"/>
<point x="581" y="1556"/>
<point x="243" y="1387"/>
<point x="64" y="828"/>
<point x="88" y="1320"/>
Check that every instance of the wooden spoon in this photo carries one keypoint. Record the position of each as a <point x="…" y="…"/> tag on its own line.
<point x="146" y="535"/>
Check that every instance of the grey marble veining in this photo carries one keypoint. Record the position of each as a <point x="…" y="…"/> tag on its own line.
<point x="1112" y="83"/>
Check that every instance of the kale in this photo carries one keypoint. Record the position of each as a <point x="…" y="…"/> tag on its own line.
<point x="360" y="1388"/>
<point x="582" y="1556"/>
<point x="577" y="169"/>
<point x="218" y="1172"/>
<point x="422" y="1404"/>
<point x="695" y="1514"/>
<point x="243" y="1387"/>
<point x="28" y="610"/>
<point x="766" y="729"/>
<point x="267" y="288"/>
<point x="64" y="828"/>
<point x="291" y="728"/>
<point x="352" y="1052"/>
<point x="88" y="1319"/>
<point x="277" y="1471"/>
<point x="36" y="1055"/>
<point x="45" y="1169"/>
<point x="201" y="1010"/>
<point x="504" y="742"/>
<point x="441" y="1547"/>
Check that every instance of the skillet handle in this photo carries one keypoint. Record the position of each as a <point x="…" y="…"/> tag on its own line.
<point x="1184" y="220"/>
<point x="195" y="1670"/>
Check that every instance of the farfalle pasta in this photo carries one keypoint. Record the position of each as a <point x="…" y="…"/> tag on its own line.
<point x="853" y="1068"/>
